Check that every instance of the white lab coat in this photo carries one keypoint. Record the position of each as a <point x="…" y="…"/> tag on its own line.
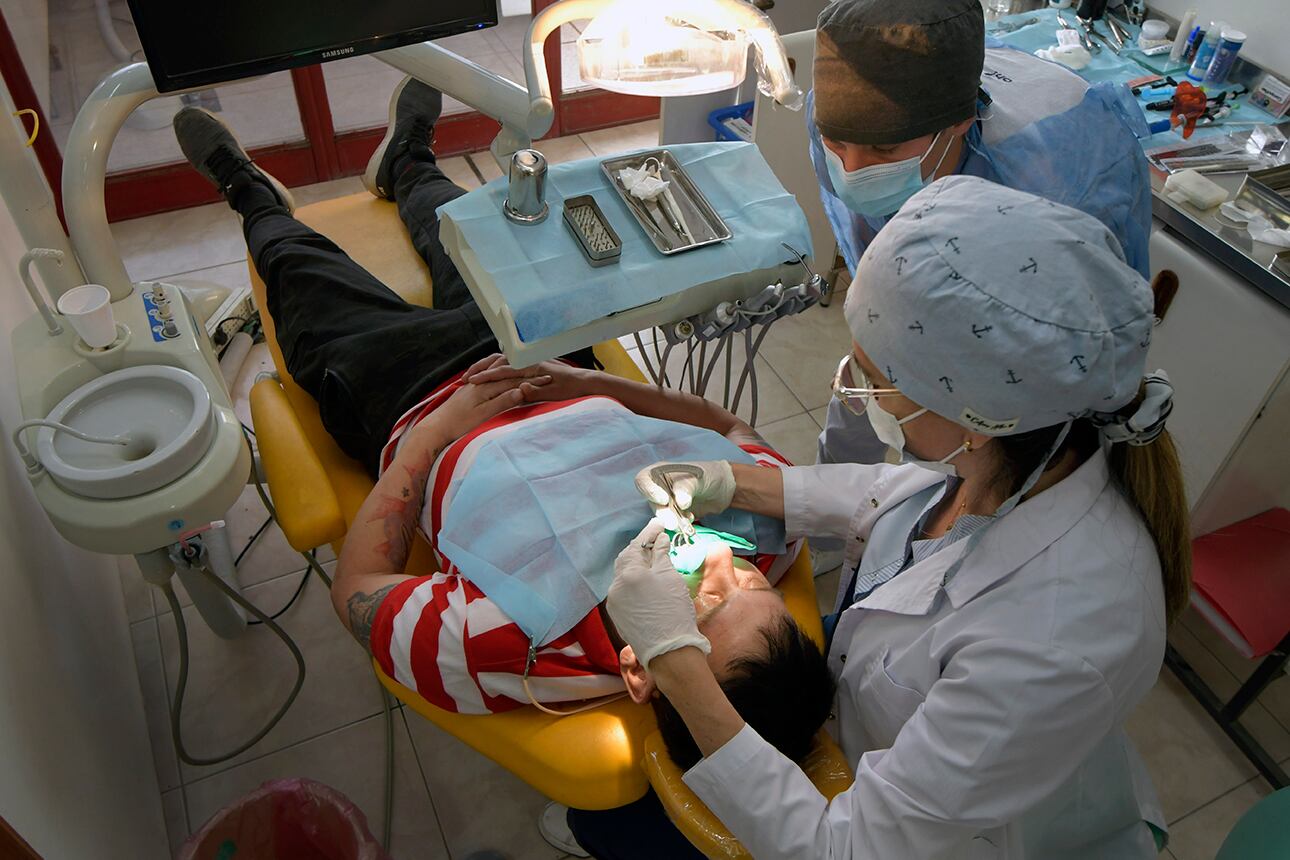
<point x="982" y="717"/>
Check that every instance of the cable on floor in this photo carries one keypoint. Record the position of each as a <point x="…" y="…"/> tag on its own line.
<point x="304" y="580"/>
<point x="251" y="542"/>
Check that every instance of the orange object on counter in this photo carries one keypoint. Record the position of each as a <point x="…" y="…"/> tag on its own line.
<point x="1190" y="103"/>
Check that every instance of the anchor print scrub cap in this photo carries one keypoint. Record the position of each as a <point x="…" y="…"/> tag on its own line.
<point x="1001" y="310"/>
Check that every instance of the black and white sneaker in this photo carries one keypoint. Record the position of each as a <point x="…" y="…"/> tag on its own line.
<point x="414" y="109"/>
<point x="211" y="147"/>
<point x="553" y="824"/>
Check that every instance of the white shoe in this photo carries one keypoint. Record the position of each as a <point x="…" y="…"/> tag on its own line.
<point x="825" y="560"/>
<point x="554" y="827"/>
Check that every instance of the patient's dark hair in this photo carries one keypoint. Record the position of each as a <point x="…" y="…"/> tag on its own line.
<point x="785" y="695"/>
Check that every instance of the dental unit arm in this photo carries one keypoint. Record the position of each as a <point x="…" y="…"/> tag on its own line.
<point x="120" y="92"/>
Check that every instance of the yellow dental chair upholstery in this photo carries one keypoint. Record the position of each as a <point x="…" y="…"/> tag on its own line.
<point x="598" y="759"/>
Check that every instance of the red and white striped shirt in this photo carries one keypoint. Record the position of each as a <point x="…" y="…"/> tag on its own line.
<point x="440" y="634"/>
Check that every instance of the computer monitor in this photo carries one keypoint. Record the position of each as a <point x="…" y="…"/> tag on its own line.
<point x="216" y="41"/>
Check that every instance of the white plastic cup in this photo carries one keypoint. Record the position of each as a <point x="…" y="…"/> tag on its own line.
<point x="1154" y="29"/>
<point x="89" y="310"/>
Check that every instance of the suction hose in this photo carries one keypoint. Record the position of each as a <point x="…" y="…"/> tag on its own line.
<point x="181" y="683"/>
<point x="177" y="704"/>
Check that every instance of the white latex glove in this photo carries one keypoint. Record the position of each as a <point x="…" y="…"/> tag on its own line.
<point x="649" y="602"/>
<point x="709" y="493"/>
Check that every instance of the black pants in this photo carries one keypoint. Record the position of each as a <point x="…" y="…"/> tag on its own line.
<point x="364" y="353"/>
<point x="637" y="831"/>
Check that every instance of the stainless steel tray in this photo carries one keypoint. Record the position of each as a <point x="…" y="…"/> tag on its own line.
<point x="697" y="214"/>
<point x="1281" y="264"/>
<point x="1267" y="192"/>
<point x="596" y="237"/>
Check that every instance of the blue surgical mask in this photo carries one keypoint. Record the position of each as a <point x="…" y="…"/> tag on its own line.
<point x="879" y="190"/>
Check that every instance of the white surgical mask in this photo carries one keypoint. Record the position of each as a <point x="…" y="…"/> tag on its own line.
<point x="879" y="190"/>
<point x="887" y="428"/>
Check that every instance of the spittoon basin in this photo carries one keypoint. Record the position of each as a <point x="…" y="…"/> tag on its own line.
<point x="164" y="412"/>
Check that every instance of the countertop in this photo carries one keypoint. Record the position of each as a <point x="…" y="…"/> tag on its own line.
<point x="1230" y="246"/>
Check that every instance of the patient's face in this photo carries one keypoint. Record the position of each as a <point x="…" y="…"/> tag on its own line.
<point x="733" y="604"/>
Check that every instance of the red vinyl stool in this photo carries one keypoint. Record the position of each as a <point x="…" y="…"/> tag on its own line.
<point x="1241" y="586"/>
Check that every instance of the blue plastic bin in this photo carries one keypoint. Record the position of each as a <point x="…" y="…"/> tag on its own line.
<point x="717" y="119"/>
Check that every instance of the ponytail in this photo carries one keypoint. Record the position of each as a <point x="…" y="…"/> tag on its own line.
<point x="1149" y="476"/>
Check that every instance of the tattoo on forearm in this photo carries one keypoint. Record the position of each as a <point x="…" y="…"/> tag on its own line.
<point x="390" y="512"/>
<point x="398" y="513"/>
<point x="362" y="612"/>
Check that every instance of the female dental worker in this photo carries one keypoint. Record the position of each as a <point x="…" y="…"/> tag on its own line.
<point x="1006" y="591"/>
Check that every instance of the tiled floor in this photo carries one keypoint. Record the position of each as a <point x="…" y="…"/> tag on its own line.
<point x="262" y="110"/>
<point x="334" y="731"/>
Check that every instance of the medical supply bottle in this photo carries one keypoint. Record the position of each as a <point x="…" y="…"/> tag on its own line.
<point x="1180" y="40"/>
<point x="1205" y="53"/>
<point x="1224" y="58"/>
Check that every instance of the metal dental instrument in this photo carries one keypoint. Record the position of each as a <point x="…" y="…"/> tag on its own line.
<point x="666" y="202"/>
<point x="684" y="534"/>
<point x="677" y="216"/>
<point x="814" y="280"/>
<point x="1089" y="44"/>
<point x="676" y="213"/>
<point x="1013" y="26"/>
<point x="656" y="215"/>
<point x="1119" y="32"/>
<point x="698" y="369"/>
<point x="1092" y="31"/>
<point x="648" y="218"/>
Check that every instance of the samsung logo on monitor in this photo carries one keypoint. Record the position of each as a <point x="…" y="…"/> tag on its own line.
<point x="337" y="52"/>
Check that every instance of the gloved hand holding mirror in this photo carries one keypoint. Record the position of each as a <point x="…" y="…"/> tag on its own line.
<point x="682" y="492"/>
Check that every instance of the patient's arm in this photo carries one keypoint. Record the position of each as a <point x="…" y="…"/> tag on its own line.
<point x="377" y="545"/>
<point x="567" y="382"/>
<point x="380" y="538"/>
<point x="670" y="405"/>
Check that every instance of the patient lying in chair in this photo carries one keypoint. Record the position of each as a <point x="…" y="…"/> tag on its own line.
<point x="421" y="397"/>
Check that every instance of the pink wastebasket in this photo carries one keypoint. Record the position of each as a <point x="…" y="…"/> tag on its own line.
<point x="286" y="819"/>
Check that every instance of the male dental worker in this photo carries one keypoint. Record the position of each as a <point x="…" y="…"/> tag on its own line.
<point x="908" y="92"/>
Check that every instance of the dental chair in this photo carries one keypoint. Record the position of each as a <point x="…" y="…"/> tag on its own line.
<point x="598" y="759"/>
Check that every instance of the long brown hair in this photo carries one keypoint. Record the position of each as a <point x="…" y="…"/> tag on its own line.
<point x="1149" y="476"/>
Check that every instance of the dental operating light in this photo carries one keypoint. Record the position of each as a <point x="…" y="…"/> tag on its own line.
<point x="666" y="48"/>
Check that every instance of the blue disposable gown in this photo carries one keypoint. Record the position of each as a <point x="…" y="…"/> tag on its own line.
<point x="1046" y="131"/>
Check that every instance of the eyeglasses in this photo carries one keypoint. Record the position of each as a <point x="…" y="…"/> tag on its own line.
<point x="851" y="386"/>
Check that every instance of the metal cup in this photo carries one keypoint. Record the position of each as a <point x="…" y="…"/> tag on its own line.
<point x="526" y="193"/>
